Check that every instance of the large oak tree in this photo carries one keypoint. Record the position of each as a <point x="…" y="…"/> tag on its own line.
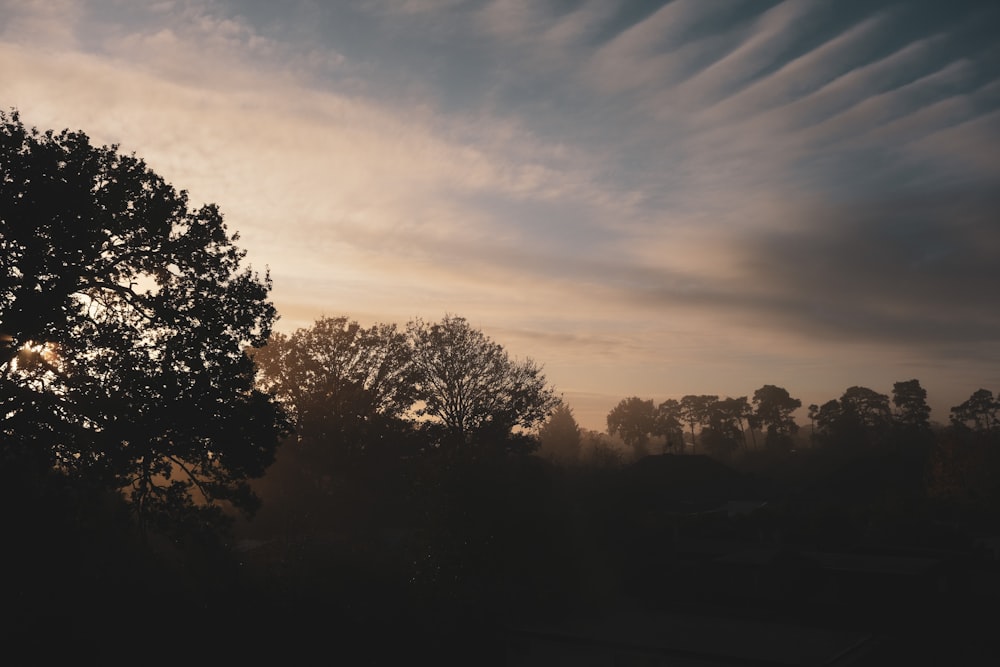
<point x="125" y="319"/>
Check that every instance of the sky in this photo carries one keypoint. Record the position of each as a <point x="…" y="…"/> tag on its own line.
<point x="647" y="198"/>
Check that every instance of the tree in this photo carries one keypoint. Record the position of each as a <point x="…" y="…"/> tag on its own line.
<point x="125" y="319"/>
<point x="773" y="407"/>
<point x="344" y="385"/>
<point x="828" y="422"/>
<point x="860" y="418"/>
<point x="669" y="424"/>
<point x="696" y="410"/>
<point x="724" y="432"/>
<point x="560" y="436"/>
<point x="471" y="386"/>
<point x="910" y="400"/>
<point x="980" y="409"/>
<point x="633" y="419"/>
<point x="813" y="414"/>
<point x="869" y="407"/>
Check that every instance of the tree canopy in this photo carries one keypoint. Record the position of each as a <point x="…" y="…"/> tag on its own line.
<point x="125" y="316"/>
<point x="559" y="437"/>
<point x="339" y="380"/>
<point x="773" y="408"/>
<point x="910" y="400"/>
<point x="469" y="384"/>
<point x="634" y="420"/>
<point x="980" y="410"/>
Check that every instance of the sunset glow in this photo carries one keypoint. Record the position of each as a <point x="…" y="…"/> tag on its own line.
<point x="651" y="199"/>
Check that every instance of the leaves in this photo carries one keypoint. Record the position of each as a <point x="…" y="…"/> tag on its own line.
<point x="470" y="384"/>
<point x="148" y="310"/>
<point x="633" y="419"/>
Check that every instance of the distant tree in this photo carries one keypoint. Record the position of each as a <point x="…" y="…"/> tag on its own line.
<point x="634" y="420"/>
<point x="981" y="410"/>
<point x="910" y="400"/>
<point x="813" y="413"/>
<point x="669" y="424"/>
<point x="869" y="407"/>
<point x="696" y="411"/>
<point x="471" y="386"/>
<point x="773" y="408"/>
<point x="125" y="320"/>
<point x="860" y="418"/>
<point x="740" y="411"/>
<point x="724" y="432"/>
<point x="829" y="422"/>
<point x="344" y="385"/>
<point x="560" y="436"/>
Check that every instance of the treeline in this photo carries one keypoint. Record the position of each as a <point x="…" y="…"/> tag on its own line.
<point x="381" y="497"/>
<point x="960" y="459"/>
<point x="727" y="426"/>
<point x="353" y="387"/>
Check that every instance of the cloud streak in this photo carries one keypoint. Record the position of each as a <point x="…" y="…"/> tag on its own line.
<point x="654" y="197"/>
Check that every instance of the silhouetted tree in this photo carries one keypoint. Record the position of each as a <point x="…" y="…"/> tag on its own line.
<point x="669" y="424"/>
<point x="910" y="400"/>
<point x="125" y="316"/>
<point x="860" y="418"/>
<point x="696" y="410"/>
<point x="813" y="413"/>
<point x="345" y="386"/>
<point x="773" y="408"/>
<point x="980" y="410"/>
<point x="867" y="406"/>
<point x="633" y="419"/>
<point x="744" y="412"/>
<point x="471" y="385"/>
<point x="560" y="436"/>
<point x="724" y="432"/>
<point x="828" y="422"/>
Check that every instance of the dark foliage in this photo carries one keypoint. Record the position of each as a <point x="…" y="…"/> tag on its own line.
<point x="124" y="318"/>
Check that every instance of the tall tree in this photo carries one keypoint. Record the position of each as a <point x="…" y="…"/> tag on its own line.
<point x="773" y="407"/>
<point x="721" y="434"/>
<point x="813" y="414"/>
<point x="868" y="406"/>
<point x="344" y="385"/>
<point x="634" y="420"/>
<point x="828" y="422"/>
<point x="560" y="436"/>
<point x="726" y="420"/>
<point x="125" y="319"/>
<point x="696" y="411"/>
<point x="910" y="400"/>
<point x="860" y="418"/>
<point x="470" y="385"/>
<point x="669" y="424"/>
<point x="980" y="410"/>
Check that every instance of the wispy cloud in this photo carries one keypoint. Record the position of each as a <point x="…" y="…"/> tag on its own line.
<point x="666" y="195"/>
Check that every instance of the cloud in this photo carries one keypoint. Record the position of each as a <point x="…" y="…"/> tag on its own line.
<point x="771" y="34"/>
<point x="913" y="271"/>
<point x="651" y="53"/>
<point x="40" y="21"/>
<point x="666" y="195"/>
<point x="797" y="77"/>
